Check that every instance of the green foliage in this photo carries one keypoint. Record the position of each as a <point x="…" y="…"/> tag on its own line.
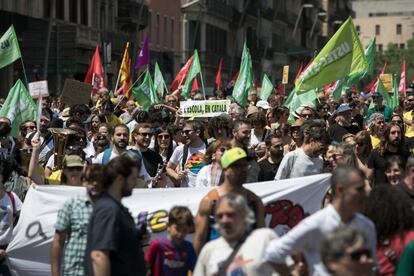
<point x="394" y="57"/>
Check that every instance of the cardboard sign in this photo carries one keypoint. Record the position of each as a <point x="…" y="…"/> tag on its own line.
<point x="285" y="78"/>
<point x="386" y="80"/>
<point x="38" y="88"/>
<point x="76" y="92"/>
<point x="199" y="109"/>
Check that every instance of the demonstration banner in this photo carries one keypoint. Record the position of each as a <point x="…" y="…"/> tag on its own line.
<point x="286" y="203"/>
<point x="210" y="108"/>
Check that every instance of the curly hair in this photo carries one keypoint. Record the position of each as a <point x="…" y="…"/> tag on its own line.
<point x="385" y="139"/>
<point x="390" y="210"/>
<point x="219" y="122"/>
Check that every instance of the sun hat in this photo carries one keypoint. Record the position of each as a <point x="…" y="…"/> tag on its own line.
<point x="71" y="161"/>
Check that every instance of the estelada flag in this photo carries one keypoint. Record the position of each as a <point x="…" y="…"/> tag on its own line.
<point x="181" y="76"/>
<point x="95" y="74"/>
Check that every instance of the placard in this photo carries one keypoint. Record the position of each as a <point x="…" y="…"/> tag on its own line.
<point x="285" y="78"/>
<point x="38" y="88"/>
<point x="76" y="92"/>
<point x="386" y="80"/>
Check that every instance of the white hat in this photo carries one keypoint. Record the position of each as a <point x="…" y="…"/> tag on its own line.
<point x="263" y="104"/>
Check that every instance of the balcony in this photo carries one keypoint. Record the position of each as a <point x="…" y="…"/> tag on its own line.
<point x="212" y="59"/>
<point x="220" y="9"/>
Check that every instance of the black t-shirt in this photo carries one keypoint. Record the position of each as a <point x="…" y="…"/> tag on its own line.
<point x="378" y="164"/>
<point x="267" y="170"/>
<point x="151" y="161"/>
<point x="112" y="229"/>
<point x="336" y="132"/>
<point x="358" y="121"/>
<point x="409" y="144"/>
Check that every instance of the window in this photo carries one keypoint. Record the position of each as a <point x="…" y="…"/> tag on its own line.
<point x="399" y="29"/>
<point x="377" y="29"/>
<point x="165" y="31"/>
<point x="402" y="46"/>
<point x="73" y="11"/>
<point x="60" y="9"/>
<point x="380" y="48"/>
<point x="157" y="29"/>
<point x="84" y="13"/>
<point x="172" y="33"/>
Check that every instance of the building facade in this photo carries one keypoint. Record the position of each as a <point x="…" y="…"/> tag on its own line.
<point x="390" y="21"/>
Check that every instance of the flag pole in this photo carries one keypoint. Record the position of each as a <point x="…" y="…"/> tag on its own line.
<point x="129" y="89"/>
<point x="202" y="85"/>
<point x="119" y="71"/>
<point x="24" y="71"/>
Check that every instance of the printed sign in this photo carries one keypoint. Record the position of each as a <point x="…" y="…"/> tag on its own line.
<point x="204" y="108"/>
<point x="38" y="88"/>
<point x="285" y="78"/>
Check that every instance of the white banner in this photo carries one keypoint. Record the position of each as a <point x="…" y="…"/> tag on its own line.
<point x="210" y="108"/>
<point x="286" y="203"/>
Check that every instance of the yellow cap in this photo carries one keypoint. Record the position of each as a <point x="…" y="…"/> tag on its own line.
<point x="231" y="156"/>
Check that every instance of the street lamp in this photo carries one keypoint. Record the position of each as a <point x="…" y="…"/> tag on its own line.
<point x="304" y="6"/>
<point x="321" y="14"/>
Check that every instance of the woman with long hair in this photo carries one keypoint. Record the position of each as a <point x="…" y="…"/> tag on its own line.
<point x="388" y="207"/>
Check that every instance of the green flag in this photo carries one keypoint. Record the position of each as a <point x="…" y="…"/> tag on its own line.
<point x="370" y="55"/>
<point x="159" y="83"/>
<point x="294" y="101"/>
<point x="267" y="88"/>
<point x="244" y="81"/>
<point x="18" y="107"/>
<point x="194" y="70"/>
<point x="394" y="92"/>
<point x="342" y="56"/>
<point x="145" y="93"/>
<point x="384" y="93"/>
<point x="9" y="47"/>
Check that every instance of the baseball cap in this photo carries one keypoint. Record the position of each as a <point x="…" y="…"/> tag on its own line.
<point x="263" y="104"/>
<point x="343" y="108"/>
<point x="231" y="156"/>
<point x="71" y="161"/>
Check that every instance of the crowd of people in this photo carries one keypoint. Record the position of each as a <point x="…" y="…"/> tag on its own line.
<point x="365" y="225"/>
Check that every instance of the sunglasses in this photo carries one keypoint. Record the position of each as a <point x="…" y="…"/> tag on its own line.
<point x="397" y="121"/>
<point x="74" y="168"/>
<point x="165" y="137"/>
<point x="357" y="254"/>
<point x="145" y="134"/>
<point x="27" y="151"/>
<point x="188" y="131"/>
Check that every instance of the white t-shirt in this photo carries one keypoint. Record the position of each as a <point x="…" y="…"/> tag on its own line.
<point x="249" y="259"/>
<point x="143" y="172"/>
<point x="297" y="164"/>
<point x="208" y="177"/>
<point x="308" y="234"/>
<point x="6" y="217"/>
<point x="193" y="165"/>
<point x="88" y="150"/>
<point x="254" y="140"/>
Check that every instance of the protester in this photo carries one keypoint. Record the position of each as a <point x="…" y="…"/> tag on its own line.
<point x="274" y="154"/>
<point x="7" y="142"/>
<point x="407" y="184"/>
<point x="127" y="116"/>
<point x="394" y="170"/>
<point x="239" y="250"/>
<point x="380" y="107"/>
<point x="114" y="243"/>
<point x="69" y="240"/>
<point x="234" y="163"/>
<point x="345" y="251"/>
<point x="349" y="195"/>
<point x="342" y="125"/>
<point x="376" y="125"/>
<point x="393" y="217"/>
<point x="173" y="255"/>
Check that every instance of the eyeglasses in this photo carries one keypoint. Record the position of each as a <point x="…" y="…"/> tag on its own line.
<point x="29" y="127"/>
<point x="188" y="131"/>
<point x="357" y="254"/>
<point x="165" y="137"/>
<point x="145" y="134"/>
<point x="397" y="121"/>
<point x="27" y="151"/>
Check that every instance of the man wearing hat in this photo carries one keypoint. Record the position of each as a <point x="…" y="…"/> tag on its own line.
<point x="342" y="124"/>
<point x="235" y="166"/>
<point x="380" y="107"/>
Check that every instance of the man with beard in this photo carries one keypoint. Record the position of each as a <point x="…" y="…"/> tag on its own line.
<point x="349" y="195"/>
<point x="269" y="165"/>
<point x="235" y="166"/>
<point x="71" y="226"/>
<point x="119" y="141"/>
<point x="114" y="242"/>
<point x="376" y="125"/>
<point x="392" y="143"/>
<point x="188" y="159"/>
<point x="46" y="138"/>
<point x="242" y="131"/>
<point x="342" y="125"/>
<point x="380" y="107"/>
<point x="305" y="160"/>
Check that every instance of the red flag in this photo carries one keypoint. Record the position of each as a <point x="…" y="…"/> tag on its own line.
<point x="329" y="88"/>
<point x="95" y="74"/>
<point x="299" y="71"/>
<point x="374" y="83"/>
<point x="280" y="88"/>
<point x="402" y="87"/>
<point x="181" y="76"/>
<point x="233" y="80"/>
<point x="218" y="75"/>
<point x="195" y="85"/>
